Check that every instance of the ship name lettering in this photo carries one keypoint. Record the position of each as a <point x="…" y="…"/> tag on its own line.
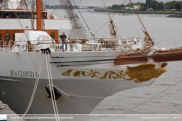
<point x="23" y="73"/>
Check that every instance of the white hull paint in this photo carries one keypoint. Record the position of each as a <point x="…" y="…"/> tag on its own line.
<point x="86" y="92"/>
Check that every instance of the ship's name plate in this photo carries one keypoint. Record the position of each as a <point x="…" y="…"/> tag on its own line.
<point x="23" y="73"/>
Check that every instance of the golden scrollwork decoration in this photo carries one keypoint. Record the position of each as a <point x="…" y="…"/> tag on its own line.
<point x="141" y="73"/>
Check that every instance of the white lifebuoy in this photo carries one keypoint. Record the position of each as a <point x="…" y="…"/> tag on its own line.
<point x="77" y="48"/>
<point x="97" y="47"/>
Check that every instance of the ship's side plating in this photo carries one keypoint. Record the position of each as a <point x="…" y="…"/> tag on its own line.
<point x="18" y="72"/>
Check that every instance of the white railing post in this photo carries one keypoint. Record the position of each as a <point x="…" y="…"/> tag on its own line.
<point x="34" y="47"/>
<point x="9" y="45"/>
<point x="3" y="46"/>
<point x="27" y="46"/>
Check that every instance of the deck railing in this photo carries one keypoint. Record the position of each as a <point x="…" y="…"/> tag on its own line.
<point x="97" y="44"/>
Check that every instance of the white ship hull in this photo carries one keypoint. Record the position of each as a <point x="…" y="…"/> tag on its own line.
<point x="18" y="73"/>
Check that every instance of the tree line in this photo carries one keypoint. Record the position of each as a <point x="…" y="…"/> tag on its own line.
<point x="154" y="4"/>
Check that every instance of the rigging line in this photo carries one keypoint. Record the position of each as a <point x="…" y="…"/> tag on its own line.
<point x="137" y="19"/>
<point x="3" y="4"/>
<point x="138" y="16"/>
<point x="74" y="23"/>
<point x="29" y="12"/>
<point x="51" y="14"/>
<point x="108" y="20"/>
<point x="142" y="23"/>
<point x="107" y="8"/>
<point x="55" y="9"/>
<point x="111" y="21"/>
<point x="18" y="19"/>
<point x="147" y="100"/>
<point x="83" y="18"/>
<point x="79" y="5"/>
<point x="52" y="19"/>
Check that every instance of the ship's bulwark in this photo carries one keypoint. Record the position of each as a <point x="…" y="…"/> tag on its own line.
<point x="18" y="72"/>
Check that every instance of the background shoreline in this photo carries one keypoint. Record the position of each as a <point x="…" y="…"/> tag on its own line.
<point x="139" y="12"/>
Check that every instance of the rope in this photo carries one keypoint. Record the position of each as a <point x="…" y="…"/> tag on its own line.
<point x="52" y="84"/>
<point x="3" y="3"/>
<point x="141" y="22"/>
<point x="83" y="19"/>
<point x="105" y="8"/>
<point x="35" y="86"/>
<point x="79" y="5"/>
<point x="146" y="100"/>
<point x="32" y="21"/>
<point x="52" y="19"/>
<point x="18" y="20"/>
<point x="110" y="18"/>
<point x="68" y="95"/>
<point x="51" y="88"/>
<point x="136" y="18"/>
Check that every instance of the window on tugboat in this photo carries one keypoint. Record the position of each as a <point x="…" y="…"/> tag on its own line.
<point x="5" y="14"/>
<point x="7" y="36"/>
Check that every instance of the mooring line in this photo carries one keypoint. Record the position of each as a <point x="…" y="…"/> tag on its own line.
<point x="35" y="86"/>
<point x="68" y="95"/>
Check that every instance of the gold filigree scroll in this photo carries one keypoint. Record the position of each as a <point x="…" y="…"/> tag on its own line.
<point x="141" y="73"/>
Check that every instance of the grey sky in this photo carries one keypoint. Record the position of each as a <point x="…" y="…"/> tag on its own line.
<point x="98" y="2"/>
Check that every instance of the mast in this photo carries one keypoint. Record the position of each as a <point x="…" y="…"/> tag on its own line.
<point x="38" y="14"/>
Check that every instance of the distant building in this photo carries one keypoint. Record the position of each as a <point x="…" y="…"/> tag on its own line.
<point x="91" y="7"/>
<point x="151" y="9"/>
<point x="137" y="7"/>
<point x="83" y="7"/>
<point x="168" y="7"/>
<point x="127" y="8"/>
<point x="173" y="9"/>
